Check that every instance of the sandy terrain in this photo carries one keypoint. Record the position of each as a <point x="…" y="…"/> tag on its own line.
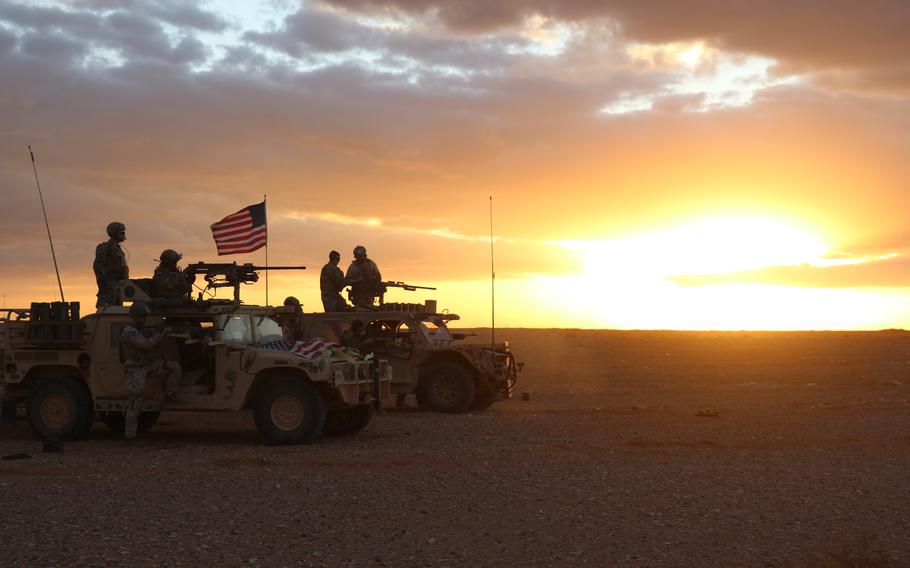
<point x="635" y="449"/>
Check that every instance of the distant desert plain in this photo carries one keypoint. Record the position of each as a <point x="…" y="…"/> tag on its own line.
<point x="633" y="448"/>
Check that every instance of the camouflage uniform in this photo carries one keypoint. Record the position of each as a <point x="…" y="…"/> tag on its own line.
<point x="331" y="283"/>
<point x="364" y="277"/>
<point x="142" y="359"/>
<point x="292" y="327"/>
<point x="110" y="268"/>
<point x="171" y="282"/>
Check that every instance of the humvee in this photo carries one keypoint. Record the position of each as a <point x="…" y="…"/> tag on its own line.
<point x="65" y="370"/>
<point x="444" y="372"/>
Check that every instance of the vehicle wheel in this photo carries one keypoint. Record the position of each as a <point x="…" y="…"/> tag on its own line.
<point x="347" y="420"/>
<point x="289" y="411"/>
<point x="60" y="408"/>
<point x="446" y="387"/>
<point x="116" y="421"/>
<point x="484" y="399"/>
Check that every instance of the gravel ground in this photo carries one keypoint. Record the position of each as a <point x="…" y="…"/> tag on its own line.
<point x="635" y="449"/>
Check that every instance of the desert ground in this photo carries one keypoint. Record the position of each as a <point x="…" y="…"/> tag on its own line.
<point x="635" y="448"/>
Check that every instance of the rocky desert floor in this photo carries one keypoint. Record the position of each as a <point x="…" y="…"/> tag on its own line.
<point x="635" y="449"/>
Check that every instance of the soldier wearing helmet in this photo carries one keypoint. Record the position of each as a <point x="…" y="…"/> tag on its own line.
<point x="331" y="283"/>
<point x="170" y="280"/>
<point x="364" y="278"/>
<point x="110" y="266"/>
<point x="291" y="320"/>
<point x="141" y="356"/>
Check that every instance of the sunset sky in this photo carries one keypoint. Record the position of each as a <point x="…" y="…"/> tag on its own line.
<point x="683" y="165"/>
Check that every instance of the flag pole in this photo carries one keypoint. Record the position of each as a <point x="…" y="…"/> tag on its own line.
<point x="265" y="207"/>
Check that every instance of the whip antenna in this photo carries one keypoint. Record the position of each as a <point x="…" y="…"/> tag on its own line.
<point x="492" y="285"/>
<point x="265" y="198"/>
<point x="46" y="224"/>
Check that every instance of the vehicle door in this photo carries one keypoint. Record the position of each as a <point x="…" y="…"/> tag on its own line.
<point x="108" y="379"/>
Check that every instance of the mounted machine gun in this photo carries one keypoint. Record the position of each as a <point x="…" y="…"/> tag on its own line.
<point x="230" y="275"/>
<point x="385" y="285"/>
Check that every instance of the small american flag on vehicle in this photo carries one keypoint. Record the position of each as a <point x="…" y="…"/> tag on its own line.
<point x="241" y="232"/>
<point x="310" y="348"/>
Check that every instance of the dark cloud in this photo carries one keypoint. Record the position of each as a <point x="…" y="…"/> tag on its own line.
<point x="308" y="33"/>
<point x="184" y="14"/>
<point x="179" y="13"/>
<point x="136" y="34"/>
<point x="308" y="30"/>
<point x="861" y="40"/>
<point x="52" y="45"/>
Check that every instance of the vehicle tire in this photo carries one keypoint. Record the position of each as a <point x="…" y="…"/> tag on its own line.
<point x="289" y="411"/>
<point x="116" y="421"/>
<point x="347" y="420"/>
<point x="446" y="387"/>
<point x="484" y="399"/>
<point x="60" y="408"/>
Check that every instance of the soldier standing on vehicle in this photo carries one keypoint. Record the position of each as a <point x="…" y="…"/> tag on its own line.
<point x="141" y="356"/>
<point x="364" y="278"/>
<point x="170" y="281"/>
<point x="110" y="266"/>
<point x="331" y="283"/>
<point x="292" y="324"/>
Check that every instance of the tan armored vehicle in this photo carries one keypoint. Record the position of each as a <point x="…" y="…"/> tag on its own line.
<point x="444" y="372"/>
<point x="66" y="370"/>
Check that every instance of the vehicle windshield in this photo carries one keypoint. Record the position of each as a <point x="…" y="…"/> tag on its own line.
<point x="435" y="330"/>
<point x="267" y="329"/>
<point x="236" y="329"/>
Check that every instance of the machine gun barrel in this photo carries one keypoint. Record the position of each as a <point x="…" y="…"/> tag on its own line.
<point x="201" y="267"/>
<point x="405" y="286"/>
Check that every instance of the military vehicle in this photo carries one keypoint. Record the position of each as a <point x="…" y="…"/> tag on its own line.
<point x="445" y="373"/>
<point x="65" y="369"/>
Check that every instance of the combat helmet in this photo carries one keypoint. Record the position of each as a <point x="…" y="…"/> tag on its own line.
<point x="114" y="228"/>
<point x="360" y="251"/>
<point x="170" y="256"/>
<point x="139" y="310"/>
<point x="293" y="302"/>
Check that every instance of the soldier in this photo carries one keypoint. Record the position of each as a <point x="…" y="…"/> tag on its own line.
<point x="141" y="359"/>
<point x="364" y="278"/>
<point x="331" y="283"/>
<point x="170" y="281"/>
<point x="110" y="266"/>
<point x="356" y="338"/>
<point x="292" y="324"/>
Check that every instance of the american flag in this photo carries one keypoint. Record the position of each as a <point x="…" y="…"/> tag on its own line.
<point x="310" y="348"/>
<point x="240" y="232"/>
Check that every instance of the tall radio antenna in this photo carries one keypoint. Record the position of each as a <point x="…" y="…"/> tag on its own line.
<point x="46" y="224"/>
<point x="265" y="199"/>
<point x="492" y="285"/>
